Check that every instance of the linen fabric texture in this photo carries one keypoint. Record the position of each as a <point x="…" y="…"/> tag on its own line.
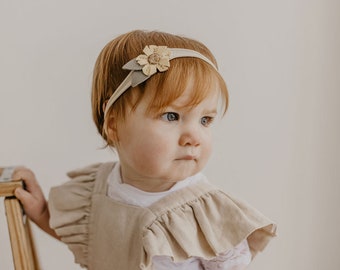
<point x="196" y="221"/>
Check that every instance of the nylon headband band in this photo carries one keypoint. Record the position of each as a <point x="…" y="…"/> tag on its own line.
<point x="137" y="75"/>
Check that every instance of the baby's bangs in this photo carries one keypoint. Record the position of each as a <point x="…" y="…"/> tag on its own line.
<point x="166" y="87"/>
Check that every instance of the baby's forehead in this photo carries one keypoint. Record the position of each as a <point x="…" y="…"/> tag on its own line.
<point x="191" y="93"/>
<point x="186" y="100"/>
<point x="183" y="86"/>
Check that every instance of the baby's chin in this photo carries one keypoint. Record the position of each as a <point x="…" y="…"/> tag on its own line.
<point x="182" y="176"/>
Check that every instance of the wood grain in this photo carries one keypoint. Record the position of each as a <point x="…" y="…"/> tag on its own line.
<point x="22" y="244"/>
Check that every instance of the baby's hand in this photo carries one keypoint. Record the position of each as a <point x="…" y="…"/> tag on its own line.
<point x="33" y="199"/>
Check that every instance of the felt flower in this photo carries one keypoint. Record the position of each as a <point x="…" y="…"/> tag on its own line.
<point x="154" y="58"/>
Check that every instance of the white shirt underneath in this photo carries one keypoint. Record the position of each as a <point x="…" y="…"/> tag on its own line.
<point x="235" y="259"/>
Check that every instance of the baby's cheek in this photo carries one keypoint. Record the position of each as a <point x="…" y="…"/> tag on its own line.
<point x="206" y="152"/>
<point x="156" y="150"/>
<point x="148" y="158"/>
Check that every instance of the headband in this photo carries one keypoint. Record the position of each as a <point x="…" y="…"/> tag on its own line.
<point x="155" y="58"/>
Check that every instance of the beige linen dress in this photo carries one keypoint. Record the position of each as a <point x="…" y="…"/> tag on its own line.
<point x="196" y="221"/>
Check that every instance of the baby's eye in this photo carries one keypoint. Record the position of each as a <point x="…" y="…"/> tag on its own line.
<point x="207" y="120"/>
<point x="170" y="116"/>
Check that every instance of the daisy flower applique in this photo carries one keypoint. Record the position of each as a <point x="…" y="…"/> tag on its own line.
<point x="154" y="58"/>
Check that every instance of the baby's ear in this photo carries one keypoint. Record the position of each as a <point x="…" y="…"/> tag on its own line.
<point x="111" y="131"/>
<point x="110" y="127"/>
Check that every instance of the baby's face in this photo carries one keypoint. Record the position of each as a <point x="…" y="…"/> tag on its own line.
<point x="157" y="151"/>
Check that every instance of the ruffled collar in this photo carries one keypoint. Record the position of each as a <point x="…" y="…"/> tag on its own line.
<point x="125" y="193"/>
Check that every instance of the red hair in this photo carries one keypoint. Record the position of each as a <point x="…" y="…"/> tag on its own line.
<point x="164" y="87"/>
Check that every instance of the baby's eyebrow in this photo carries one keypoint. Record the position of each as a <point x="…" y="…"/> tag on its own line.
<point x="189" y="107"/>
<point x="212" y="111"/>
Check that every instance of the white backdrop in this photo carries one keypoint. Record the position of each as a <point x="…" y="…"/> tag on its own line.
<point x="278" y="146"/>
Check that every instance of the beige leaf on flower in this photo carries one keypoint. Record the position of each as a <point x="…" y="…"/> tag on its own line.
<point x="148" y="50"/>
<point x="162" y="68"/>
<point x="142" y="60"/>
<point x="163" y="50"/>
<point x="149" y="70"/>
<point x="164" y="62"/>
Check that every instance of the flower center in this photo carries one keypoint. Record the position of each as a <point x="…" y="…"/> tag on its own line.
<point x="154" y="58"/>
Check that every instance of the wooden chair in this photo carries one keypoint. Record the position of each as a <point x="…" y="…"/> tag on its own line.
<point x="23" y="249"/>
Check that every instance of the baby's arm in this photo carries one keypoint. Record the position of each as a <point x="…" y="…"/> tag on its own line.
<point x="33" y="200"/>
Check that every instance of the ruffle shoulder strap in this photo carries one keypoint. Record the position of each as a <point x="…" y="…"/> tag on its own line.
<point x="69" y="206"/>
<point x="203" y="222"/>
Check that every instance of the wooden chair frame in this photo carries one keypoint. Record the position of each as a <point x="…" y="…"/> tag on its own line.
<point x="23" y="249"/>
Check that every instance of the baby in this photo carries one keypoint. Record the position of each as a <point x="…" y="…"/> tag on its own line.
<point x="154" y="99"/>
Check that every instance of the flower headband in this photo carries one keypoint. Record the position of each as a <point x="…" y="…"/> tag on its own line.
<point x="155" y="58"/>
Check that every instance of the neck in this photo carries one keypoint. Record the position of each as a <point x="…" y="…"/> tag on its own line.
<point x="150" y="186"/>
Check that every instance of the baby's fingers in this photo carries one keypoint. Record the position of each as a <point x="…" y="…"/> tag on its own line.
<point x="24" y="197"/>
<point x="34" y="207"/>
<point x="28" y="177"/>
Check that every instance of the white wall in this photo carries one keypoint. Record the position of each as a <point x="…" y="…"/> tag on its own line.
<point x="278" y="147"/>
